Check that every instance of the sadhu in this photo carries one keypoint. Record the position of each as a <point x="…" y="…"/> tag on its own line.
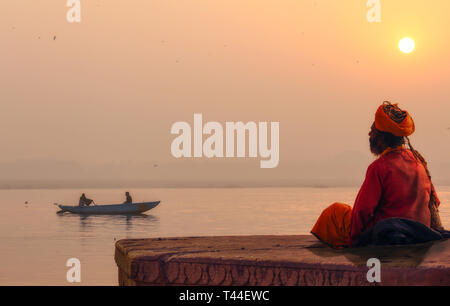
<point x="397" y="194"/>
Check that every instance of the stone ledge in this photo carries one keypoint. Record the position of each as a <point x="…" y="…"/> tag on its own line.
<point x="274" y="260"/>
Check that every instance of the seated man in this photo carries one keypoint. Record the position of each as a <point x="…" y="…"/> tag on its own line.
<point x="397" y="185"/>
<point x="84" y="201"/>
<point x="129" y="200"/>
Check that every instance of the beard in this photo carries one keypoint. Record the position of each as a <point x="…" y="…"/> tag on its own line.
<point x="375" y="148"/>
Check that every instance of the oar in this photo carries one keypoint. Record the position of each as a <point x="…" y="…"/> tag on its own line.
<point x="59" y="211"/>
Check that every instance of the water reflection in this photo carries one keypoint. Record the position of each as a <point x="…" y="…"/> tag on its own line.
<point x="110" y="223"/>
<point x="405" y="255"/>
<point x="92" y="221"/>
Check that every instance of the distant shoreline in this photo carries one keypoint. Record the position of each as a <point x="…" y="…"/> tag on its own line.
<point x="107" y="184"/>
<point x="86" y="184"/>
<point x="171" y="186"/>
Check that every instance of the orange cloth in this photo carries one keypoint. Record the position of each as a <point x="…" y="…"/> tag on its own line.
<point x="395" y="186"/>
<point x="401" y="147"/>
<point x="385" y="124"/>
<point x="333" y="225"/>
<point x="405" y="195"/>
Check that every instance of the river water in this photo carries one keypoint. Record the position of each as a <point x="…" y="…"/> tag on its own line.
<point x="35" y="242"/>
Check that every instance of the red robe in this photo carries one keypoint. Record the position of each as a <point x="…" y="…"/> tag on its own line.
<point x="396" y="185"/>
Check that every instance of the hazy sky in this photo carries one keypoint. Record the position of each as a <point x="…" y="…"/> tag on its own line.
<point x="99" y="100"/>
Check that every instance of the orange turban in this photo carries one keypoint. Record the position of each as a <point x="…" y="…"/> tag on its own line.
<point x="390" y="118"/>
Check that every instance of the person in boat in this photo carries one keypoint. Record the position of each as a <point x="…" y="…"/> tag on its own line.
<point x="84" y="201"/>
<point x="397" y="186"/>
<point x="128" y="200"/>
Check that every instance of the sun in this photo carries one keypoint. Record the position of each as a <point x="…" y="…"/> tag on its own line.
<point x="406" y="45"/>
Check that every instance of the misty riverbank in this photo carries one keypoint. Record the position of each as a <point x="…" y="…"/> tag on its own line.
<point x="114" y="184"/>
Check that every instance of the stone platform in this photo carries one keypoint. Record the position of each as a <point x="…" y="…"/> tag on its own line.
<point x="275" y="260"/>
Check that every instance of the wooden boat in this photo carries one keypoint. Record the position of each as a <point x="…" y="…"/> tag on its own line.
<point x="130" y="208"/>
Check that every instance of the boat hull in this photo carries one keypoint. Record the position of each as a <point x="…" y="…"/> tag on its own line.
<point x="114" y="209"/>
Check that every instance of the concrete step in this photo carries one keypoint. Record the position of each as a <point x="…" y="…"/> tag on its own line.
<point x="275" y="260"/>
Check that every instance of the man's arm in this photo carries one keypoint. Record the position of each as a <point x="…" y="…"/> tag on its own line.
<point x="366" y="202"/>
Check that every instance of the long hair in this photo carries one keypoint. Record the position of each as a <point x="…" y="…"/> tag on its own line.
<point x="397" y="115"/>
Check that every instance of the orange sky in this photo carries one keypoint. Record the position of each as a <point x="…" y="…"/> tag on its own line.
<point x="100" y="99"/>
